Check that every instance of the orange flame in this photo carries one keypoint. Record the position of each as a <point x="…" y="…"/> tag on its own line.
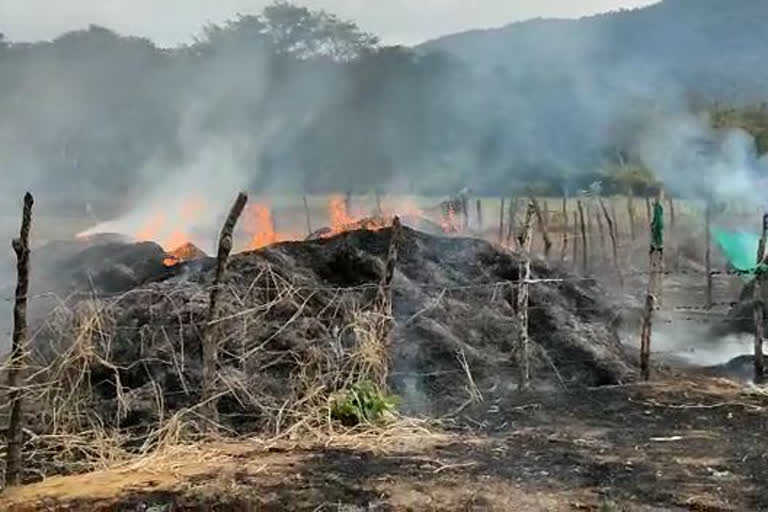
<point x="260" y="226"/>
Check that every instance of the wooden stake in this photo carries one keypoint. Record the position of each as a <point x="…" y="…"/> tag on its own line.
<point x="309" y="218"/>
<point x="759" y="308"/>
<point x="465" y="212"/>
<point x="210" y="350"/>
<point x="542" y="222"/>
<point x="511" y="220"/>
<point x="479" y="207"/>
<point x="575" y="245"/>
<point x="645" y="338"/>
<point x="671" y="212"/>
<point x="564" y="246"/>
<point x="14" y="435"/>
<point x="708" y="249"/>
<point x="348" y="203"/>
<point x="631" y="212"/>
<point x="582" y="227"/>
<point x="501" y="222"/>
<point x="523" y="348"/>
<point x="656" y="268"/>
<point x="601" y="228"/>
<point x="614" y="241"/>
<point x="616" y="225"/>
<point x="588" y="214"/>
<point x="648" y="213"/>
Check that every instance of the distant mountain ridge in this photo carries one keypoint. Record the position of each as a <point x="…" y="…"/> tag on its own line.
<point x="717" y="48"/>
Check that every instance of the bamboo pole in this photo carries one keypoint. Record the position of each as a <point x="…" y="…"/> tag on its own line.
<point x="614" y="242"/>
<point x="645" y="338"/>
<point x="308" y="216"/>
<point x="524" y="276"/>
<point x="648" y="213"/>
<point x="210" y="350"/>
<point x="501" y="222"/>
<point x="564" y="246"/>
<point x="588" y="214"/>
<point x="759" y="307"/>
<point x="379" y="211"/>
<point x="582" y="227"/>
<point x="14" y="435"/>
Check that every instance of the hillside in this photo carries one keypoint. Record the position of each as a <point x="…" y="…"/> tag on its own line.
<point x="714" y="48"/>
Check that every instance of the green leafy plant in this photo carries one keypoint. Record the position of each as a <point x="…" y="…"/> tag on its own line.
<point x="362" y="403"/>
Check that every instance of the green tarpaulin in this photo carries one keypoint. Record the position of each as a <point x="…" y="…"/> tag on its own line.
<point x="740" y="248"/>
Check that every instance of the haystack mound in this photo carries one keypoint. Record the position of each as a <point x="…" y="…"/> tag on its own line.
<point x="298" y="321"/>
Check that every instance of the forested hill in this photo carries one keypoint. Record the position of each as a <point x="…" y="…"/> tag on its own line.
<point x="296" y="99"/>
<point x="715" y="48"/>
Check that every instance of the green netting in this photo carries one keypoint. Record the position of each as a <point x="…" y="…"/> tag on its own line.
<point x="740" y="248"/>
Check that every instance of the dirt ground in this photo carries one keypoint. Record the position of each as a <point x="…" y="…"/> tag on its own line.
<point x="682" y="444"/>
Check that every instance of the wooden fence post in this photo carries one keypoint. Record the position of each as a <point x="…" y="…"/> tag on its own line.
<point x="385" y="295"/>
<point x="479" y="208"/>
<point x="14" y="435"/>
<point x="759" y="307"/>
<point x="210" y="350"/>
<point x="601" y="228"/>
<point x="656" y="258"/>
<point x="614" y="242"/>
<point x="584" y="247"/>
<point x="648" y="210"/>
<point x="708" y="249"/>
<point x="308" y="216"/>
<point x="575" y="244"/>
<point x="542" y="222"/>
<point x="501" y="222"/>
<point x="631" y="213"/>
<point x="524" y="276"/>
<point x="671" y="203"/>
<point x="564" y="246"/>
<point x="511" y="220"/>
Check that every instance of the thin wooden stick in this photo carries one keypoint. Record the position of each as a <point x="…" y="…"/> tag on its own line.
<point x="501" y="222"/>
<point x="542" y="222"/>
<point x="708" y="249"/>
<point x="601" y="228"/>
<point x="614" y="243"/>
<point x="479" y="208"/>
<point x="656" y="262"/>
<point x="511" y="220"/>
<point x="210" y="351"/>
<point x="524" y="274"/>
<point x="379" y="211"/>
<point x="645" y="338"/>
<point x="671" y="203"/>
<point x="575" y="244"/>
<point x="759" y="307"/>
<point x="631" y="212"/>
<point x="564" y="246"/>
<point x="308" y="216"/>
<point x="648" y="212"/>
<point x="14" y="435"/>
<point x="582" y="227"/>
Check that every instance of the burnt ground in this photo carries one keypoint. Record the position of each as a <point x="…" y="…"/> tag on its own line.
<point x="676" y="445"/>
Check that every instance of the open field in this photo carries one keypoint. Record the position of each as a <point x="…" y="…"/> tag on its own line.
<point x="680" y="444"/>
<point x="686" y="441"/>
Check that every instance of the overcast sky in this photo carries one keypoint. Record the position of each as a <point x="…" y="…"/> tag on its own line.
<point x="169" y="22"/>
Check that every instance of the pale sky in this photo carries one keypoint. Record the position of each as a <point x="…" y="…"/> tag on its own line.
<point x="169" y="22"/>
